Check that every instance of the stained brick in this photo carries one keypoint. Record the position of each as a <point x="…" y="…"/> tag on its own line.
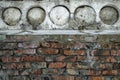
<point x="53" y="71"/>
<point x="97" y="78"/>
<point x="72" y="72"/>
<point x="106" y="52"/>
<point x="24" y="51"/>
<point x="32" y="58"/>
<point x="14" y="59"/>
<point x="45" y="44"/>
<point x="28" y="45"/>
<point x="13" y="72"/>
<point x="57" y="65"/>
<point x="47" y="51"/>
<point x="76" y="52"/>
<point x="6" y="52"/>
<point x="63" y="77"/>
<point x="36" y="72"/>
<point x="24" y="73"/>
<point x="66" y="58"/>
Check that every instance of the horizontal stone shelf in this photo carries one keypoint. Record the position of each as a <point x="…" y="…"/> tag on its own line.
<point x="60" y="15"/>
<point x="60" y="32"/>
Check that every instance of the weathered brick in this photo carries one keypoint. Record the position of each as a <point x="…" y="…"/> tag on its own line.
<point x="45" y="44"/>
<point x="39" y="65"/>
<point x="56" y="45"/>
<point x="24" y="51"/>
<point x="118" y="53"/>
<point x="28" y="45"/>
<point x="106" y="52"/>
<point x="32" y="58"/>
<point x="72" y="72"/>
<point x="74" y="45"/>
<point x="57" y="65"/>
<point x="36" y="72"/>
<point x="4" y="59"/>
<point x="15" y="66"/>
<point x="116" y="66"/>
<point x="8" y="45"/>
<point x="77" y="65"/>
<point x="53" y="71"/>
<point x="30" y="51"/>
<point x="97" y="78"/>
<point x="14" y="59"/>
<point x="49" y="58"/>
<point x="81" y="58"/>
<point x="63" y="77"/>
<point x="76" y="52"/>
<point x="18" y="52"/>
<point x="24" y="73"/>
<point x="47" y="51"/>
<point x="6" y="52"/>
<point x="66" y="58"/>
<point x="13" y="72"/>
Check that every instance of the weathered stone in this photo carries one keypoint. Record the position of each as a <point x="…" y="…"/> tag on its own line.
<point x="57" y="65"/>
<point x="12" y="16"/>
<point x="36" y="16"/>
<point x="85" y="15"/>
<point x="72" y="72"/>
<point x="59" y="15"/>
<point x="109" y="15"/>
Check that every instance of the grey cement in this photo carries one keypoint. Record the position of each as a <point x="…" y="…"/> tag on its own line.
<point x="33" y="16"/>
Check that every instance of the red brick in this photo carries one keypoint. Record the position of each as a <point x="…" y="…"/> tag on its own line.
<point x="67" y="58"/>
<point x="111" y="59"/>
<point x="32" y="58"/>
<point x="61" y="58"/>
<point x="118" y="53"/>
<point x="114" y="52"/>
<point x="97" y="78"/>
<point x="81" y="58"/>
<point x="63" y="78"/>
<point x="14" y="59"/>
<point x="47" y="51"/>
<point x="18" y="52"/>
<point x="57" y="65"/>
<point x="76" y="52"/>
<point x="37" y="72"/>
<point x="106" y="52"/>
<point x="24" y="51"/>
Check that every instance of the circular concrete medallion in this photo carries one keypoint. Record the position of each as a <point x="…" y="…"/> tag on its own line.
<point x="36" y="16"/>
<point x="109" y="15"/>
<point x="59" y="15"/>
<point x="85" y="15"/>
<point x="11" y="16"/>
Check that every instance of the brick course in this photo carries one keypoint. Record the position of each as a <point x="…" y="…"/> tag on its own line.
<point x="57" y="59"/>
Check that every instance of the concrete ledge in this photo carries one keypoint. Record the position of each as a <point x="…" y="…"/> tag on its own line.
<point x="60" y="32"/>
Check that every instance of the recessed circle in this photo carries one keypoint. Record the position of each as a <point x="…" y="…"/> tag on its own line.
<point x="85" y="15"/>
<point x="11" y="16"/>
<point x="109" y="15"/>
<point x="36" y="16"/>
<point x="59" y="15"/>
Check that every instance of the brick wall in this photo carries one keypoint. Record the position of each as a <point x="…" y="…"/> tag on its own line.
<point x="60" y="58"/>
